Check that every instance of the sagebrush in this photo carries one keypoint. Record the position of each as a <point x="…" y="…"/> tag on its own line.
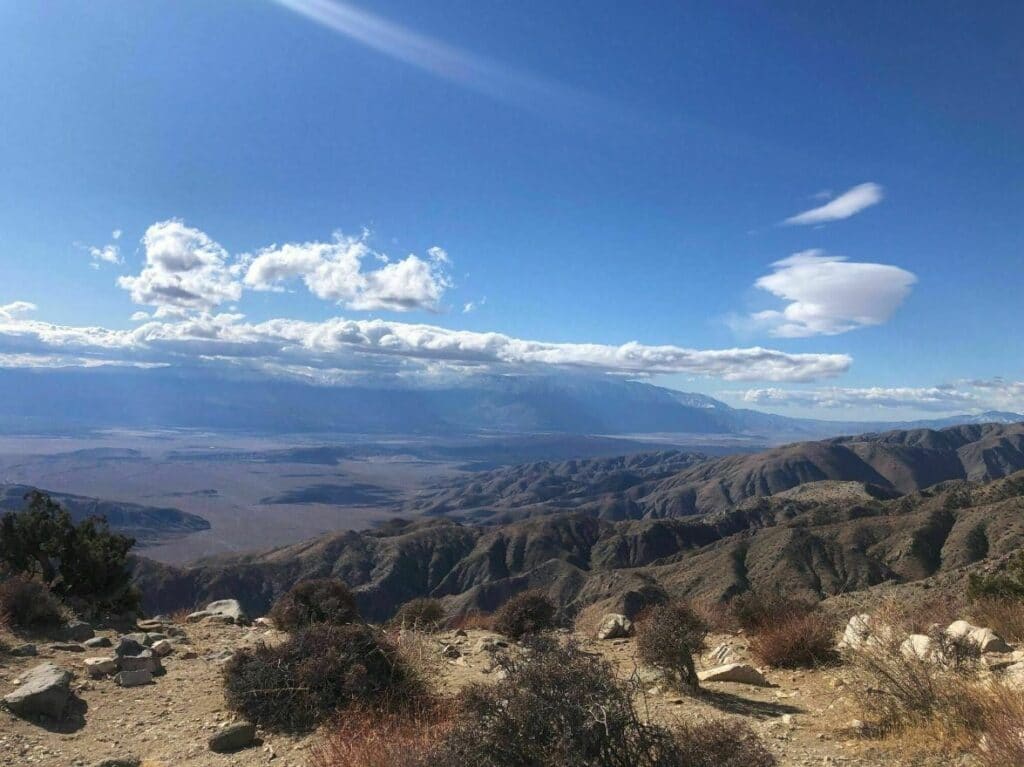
<point x="667" y="637"/>
<point x="28" y="604"/>
<point x="317" y="600"/>
<point x="423" y="614"/>
<point x="525" y="614"/>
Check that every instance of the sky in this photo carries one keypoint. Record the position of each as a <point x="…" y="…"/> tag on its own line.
<point x="805" y="208"/>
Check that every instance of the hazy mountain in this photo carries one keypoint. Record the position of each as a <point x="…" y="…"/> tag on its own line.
<point x="147" y="524"/>
<point x="35" y="400"/>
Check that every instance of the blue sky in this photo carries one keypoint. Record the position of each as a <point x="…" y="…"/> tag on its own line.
<point x="578" y="176"/>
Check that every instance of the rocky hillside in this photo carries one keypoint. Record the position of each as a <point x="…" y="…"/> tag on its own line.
<point x="824" y="539"/>
<point x="673" y="485"/>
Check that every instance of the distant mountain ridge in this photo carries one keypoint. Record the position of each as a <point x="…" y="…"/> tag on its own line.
<point x="147" y="524"/>
<point x="814" y="518"/>
<point x="65" y="400"/>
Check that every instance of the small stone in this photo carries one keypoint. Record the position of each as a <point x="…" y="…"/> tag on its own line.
<point x="162" y="648"/>
<point x="98" y="667"/>
<point x="119" y="761"/>
<point x="234" y="737"/>
<point x="144" y="661"/>
<point x="126" y="645"/>
<point x="76" y="631"/>
<point x="23" y="651"/>
<point x="98" y="642"/>
<point x="67" y="647"/>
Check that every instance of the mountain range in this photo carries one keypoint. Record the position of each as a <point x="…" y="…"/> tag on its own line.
<point x="73" y="399"/>
<point x="814" y="519"/>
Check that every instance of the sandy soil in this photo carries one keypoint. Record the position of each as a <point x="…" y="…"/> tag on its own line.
<point x="803" y="716"/>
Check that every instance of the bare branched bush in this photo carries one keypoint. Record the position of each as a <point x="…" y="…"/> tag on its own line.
<point x="28" y="604"/>
<point x="317" y="672"/>
<point x="796" y="641"/>
<point x="321" y="600"/>
<point x="560" y="707"/>
<point x="525" y="614"/>
<point x="423" y="614"/>
<point x="667" y="637"/>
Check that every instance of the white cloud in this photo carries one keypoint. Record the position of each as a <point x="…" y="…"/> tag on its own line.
<point x="108" y="254"/>
<point x="333" y="271"/>
<point x="829" y="295"/>
<point x="847" y="204"/>
<point x="16" y="309"/>
<point x="184" y="269"/>
<point x="934" y="398"/>
<point x="361" y="345"/>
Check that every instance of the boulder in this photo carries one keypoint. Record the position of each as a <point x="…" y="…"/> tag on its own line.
<point x="76" y="631"/>
<point x="98" y="667"/>
<point x="721" y="654"/>
<point x="742" y="673"/>
<point x="230" y="608"/>
<point x="234" y="737"/>
<point x="133" y="678"/>
<point x="985" y="639"/>
<point x="857" y="632"/>
<point x="197" y="616"/>
<point x="44" y="690"/>
<point x="128" y="646"/>
<point x="919" y="646"/>
<point x="614" y="626"/>
<point x="98" y="642"/>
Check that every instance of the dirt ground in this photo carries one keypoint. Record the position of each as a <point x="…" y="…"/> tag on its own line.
<point x="804" y="716"/>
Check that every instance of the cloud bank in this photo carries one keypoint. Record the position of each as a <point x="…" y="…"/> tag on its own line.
<point x="391" y="347"/>
<point x="829" y="295"/>
<point x="849" y="203"/>
<point x="957" y="397"/>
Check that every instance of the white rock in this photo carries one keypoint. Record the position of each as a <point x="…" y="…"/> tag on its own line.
<point x="162" y="648"/>
<point x="857" y="631"/>
<point x="98" y="667"/>
<point x="615" y="626"/>
<point x="742" y="673"/>
<point x="230" y="608"/>
<point x="985" y="639"/>
<point x="920" y="647"/>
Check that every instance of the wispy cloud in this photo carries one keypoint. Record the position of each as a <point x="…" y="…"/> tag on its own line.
<point x="491" y="78"/>
<point x="828" y="295"/>
<point x="847" y="204"/>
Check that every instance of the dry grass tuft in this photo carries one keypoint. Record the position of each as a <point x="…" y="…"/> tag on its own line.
<point x="796" y="641"/>
<point x="474" y="620"/>
<point x="372" y="738"/>
<point x="1003" y="616"/>
<point x="1002" y="742"/>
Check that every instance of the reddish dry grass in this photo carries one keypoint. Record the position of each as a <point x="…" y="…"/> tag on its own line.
<point x="795" y="641"/>
<point x="472" y="620"/>
<point x="370" y="738"/>
<point x="1003" y="616"/>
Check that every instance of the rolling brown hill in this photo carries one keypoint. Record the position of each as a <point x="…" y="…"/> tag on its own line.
<point x="773" y="520"/>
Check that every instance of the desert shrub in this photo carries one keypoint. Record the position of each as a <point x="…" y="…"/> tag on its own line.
<point x="373" y="738"/>
<point x="474" y="619"/>
<point x="84" y="564"/>
<point x="1003" y="616"/>
<point x="319" y="600"/>
<point x="424" y="614"/>
<point x="317" y="672"/>
<point x="897" y="690"/>
<point x="28" y="604"/>
<point x="752" y="610"/>
<point x="668" y="636"/>
<point x="1006" y="584"/>
<point x="560" y="707"/>
<point x="720" y="743"/>
<point x="795" y="641"/>
<point x="527" y="613"/>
